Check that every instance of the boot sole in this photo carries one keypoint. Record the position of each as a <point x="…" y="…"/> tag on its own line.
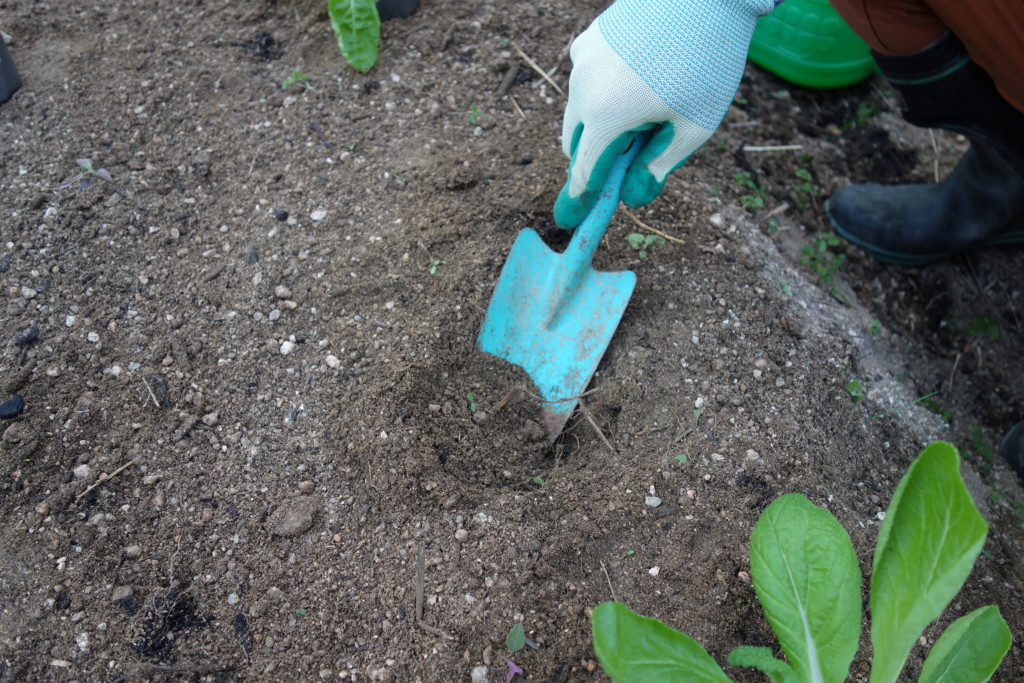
<point x="896" y="258"/>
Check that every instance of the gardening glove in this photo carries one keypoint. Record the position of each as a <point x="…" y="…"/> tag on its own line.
<point x="670" y="65"/>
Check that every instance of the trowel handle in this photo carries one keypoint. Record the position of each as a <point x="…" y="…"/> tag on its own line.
<point x="589" y="233"/>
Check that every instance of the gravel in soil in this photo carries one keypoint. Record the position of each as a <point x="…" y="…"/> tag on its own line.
<point x="256" y="439"/>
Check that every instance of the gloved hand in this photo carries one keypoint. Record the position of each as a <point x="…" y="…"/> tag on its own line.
<point x="669" y="65"/>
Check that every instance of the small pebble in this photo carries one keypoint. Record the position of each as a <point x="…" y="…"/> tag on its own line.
<point x="318" y="215"/>
<point x="478" y="674"/>
<point x="654" y="571"/>
<point x="333" y="362"/>
<point x="120" y="593"/>
<point x="281" y="215"/>
<point x="233" y="599"/>
<point x="461" y="535"/>
<point x="43" y="508"/>
<point x="751" y="454"/>
<point x="93" y="337"/>
<point x="287" y="347"/>
<point x="12" y="407"/>
<point x="282" y="292"/>
<point x="652" y="501"/>
<point x="306" y="487"/>
<point x="210" y="419"/>
<point x="133" y="552"/>
<point x="82" y="471"/>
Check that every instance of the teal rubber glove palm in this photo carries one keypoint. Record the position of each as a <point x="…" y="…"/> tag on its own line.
<point x="672" y="66"/>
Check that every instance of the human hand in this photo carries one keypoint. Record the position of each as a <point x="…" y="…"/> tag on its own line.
<point x="672" y="67"/>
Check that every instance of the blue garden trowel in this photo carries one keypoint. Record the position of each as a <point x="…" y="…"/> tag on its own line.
<point x="553" y="314"/>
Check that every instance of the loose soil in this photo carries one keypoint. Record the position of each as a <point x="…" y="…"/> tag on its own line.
<point x="254" y="414"/>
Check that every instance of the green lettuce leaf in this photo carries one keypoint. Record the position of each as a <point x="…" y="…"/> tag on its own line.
<point x="762" y="659"/>
<point x="927" y="545"/>
<point x="807" y="580"/>
<point x="356" y="24"/>
<point x="635" y="648"/>
<point x="970" y="649"/>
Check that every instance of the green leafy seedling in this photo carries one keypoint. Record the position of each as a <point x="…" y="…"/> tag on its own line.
<point x="539" y="481"/>
<point x="758" y="195"/>
<point x="628" y="553"/>
<point x="644" y="244"/>
<point x="807" y="580"/>
<point x="804" y="191"/>
<point x="682" y="458"/>
<point x="474" y="115"/>
<point x="786" y="288"/>
<point x="471" y="400"/>
<point x="433" y="263"/>
<point x="983" y="326"/>
<point x="820" y="257"/>
<point x="516" y="639"/>
<point x="875" y="327"/>
<point x="855" y="390"/>
<point x="356" y="25"/>
<point x="294" y="78"/>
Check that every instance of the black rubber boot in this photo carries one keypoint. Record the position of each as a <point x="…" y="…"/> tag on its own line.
<point x="980" y="204"/>
<point x="1012" y="448"/>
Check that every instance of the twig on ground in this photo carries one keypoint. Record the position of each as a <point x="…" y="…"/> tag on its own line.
<point x="506" y="82"/>
<point x="776" y="211"/>
<point x="419" y="600"/>
<point x="632" y="217"/>
<point x="105" y="478"/>
<point x="151" y="394"/>
<point x="516" y="106"/>
<point x="772" y="148"/>
<point x="533" y="65"/>
<point x="608" y="579"/>
<point x="590" y="419"/>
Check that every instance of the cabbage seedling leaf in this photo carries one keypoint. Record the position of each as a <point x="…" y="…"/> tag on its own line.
<point x="762" y="659"/>
<point x="356" y="25"/>
<point x="931" y="536"/>
<point x="633" y="648"/>
<point x="806" y="577"/>
<point x="970" y="649"/>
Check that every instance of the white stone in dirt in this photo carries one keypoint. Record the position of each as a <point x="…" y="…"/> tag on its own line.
<point x="82" y="471"/>
<point x="274" y="315"/>
<point x="120" y="593"/>
<point x="333" y="362"/>
<point x="292" y="518"/>
<point x="478" y="674"/>
<point x="70" y="321"/>
<point x="93" y="337"/>
<point x="282" y="292"/>
<point x="751" y="454"/>
<point x="652" y="501"/>
<point x="210" y="419"/>
<point x="287" y="347"/>
<point x="461" y="535"/>
<point x="717" y="457"/>
<point x="318" y="215"/>
<point x="233" y="599"/>
<point x="133" y="552"/>
<point x="654" y="571"/>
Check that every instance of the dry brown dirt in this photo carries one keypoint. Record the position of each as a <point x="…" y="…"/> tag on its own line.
<point x="247" y="411"/>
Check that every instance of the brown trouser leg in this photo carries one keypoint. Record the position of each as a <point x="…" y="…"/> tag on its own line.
<point x="991" y="30"/>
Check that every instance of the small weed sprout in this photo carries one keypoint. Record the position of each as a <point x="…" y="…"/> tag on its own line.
<point x="759" y="195"/>
<point x="296" y="77"/>
<point x="983" y="326"/>
<point x="786" y="288"/>
<point x="820" y="257"/>
<point x="804" y="191"/>
<point x="539" y="481"/>
<point x="645" y="244"/>
<point x="474" y="115"/>
<point x="875" y="327"/>
<point x="516" y="639"/>
<point x="471" y="401"/>
<point x="84" y="179"/>
<point x="433" y="263"/>
<point x="855" y="390"/>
